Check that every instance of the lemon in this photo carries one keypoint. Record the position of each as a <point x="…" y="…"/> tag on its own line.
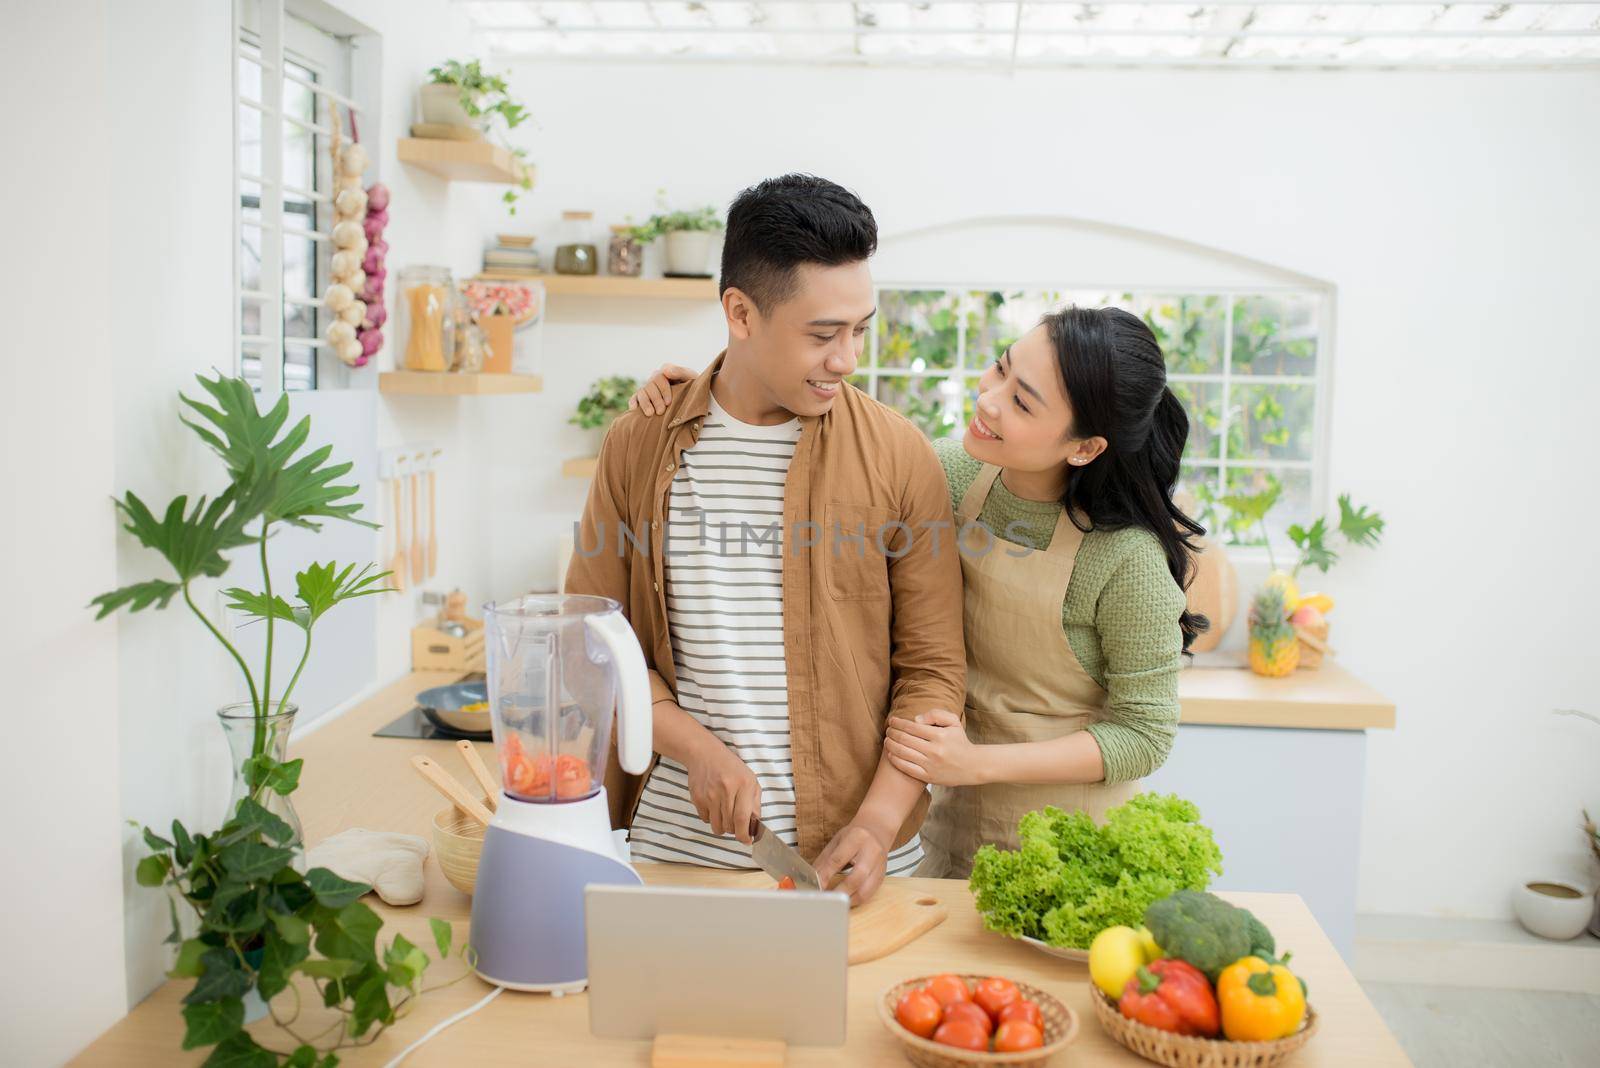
<point x="1284" y="581"/>
<point x="1115" y="955"/>
<point x="1148" y="942"/>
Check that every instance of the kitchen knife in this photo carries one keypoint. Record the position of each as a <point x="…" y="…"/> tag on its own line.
<point x="779" y="859"/>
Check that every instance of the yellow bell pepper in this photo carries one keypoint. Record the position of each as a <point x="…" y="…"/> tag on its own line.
<point x="1260" y="1001"/>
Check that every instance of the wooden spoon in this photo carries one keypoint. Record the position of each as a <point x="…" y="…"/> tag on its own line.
<point x="418" y="572"/>
<point x="480" y="771"/>
<point x="433" y="523"/>
<point x="447" y="785"/>
<point x="397" y="563"/>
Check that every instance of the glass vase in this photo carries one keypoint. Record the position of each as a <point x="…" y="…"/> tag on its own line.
<point x="249" y="735"/>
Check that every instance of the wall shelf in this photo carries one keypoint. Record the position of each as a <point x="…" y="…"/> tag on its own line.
<point x="580" y="467"/>
<point x="443" y="384"/>
<point x="606" y="285"/>
<point x="464" y="161"/>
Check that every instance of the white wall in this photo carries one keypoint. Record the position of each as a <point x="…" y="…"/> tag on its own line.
<point x="1453" y="212"/>
<point x="63" y="895"/>
<point x="170" y="128"/>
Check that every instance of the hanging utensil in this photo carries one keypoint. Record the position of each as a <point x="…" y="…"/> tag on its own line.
<point x="418" y="573"/>
<point x="433" y="519"/>
<point x="397" y="562"/>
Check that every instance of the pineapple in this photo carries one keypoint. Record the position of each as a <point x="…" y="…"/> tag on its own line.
<point x="1274" y="646"/>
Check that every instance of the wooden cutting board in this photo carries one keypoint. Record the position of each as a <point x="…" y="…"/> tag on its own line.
<point x="896" y="915"/>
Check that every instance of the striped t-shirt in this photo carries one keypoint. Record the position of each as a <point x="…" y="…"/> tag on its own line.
<point x="724" y="573"/>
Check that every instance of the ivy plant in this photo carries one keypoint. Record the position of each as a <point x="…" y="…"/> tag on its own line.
<point x="485" y="98"/>
<point x="262" y="925"/>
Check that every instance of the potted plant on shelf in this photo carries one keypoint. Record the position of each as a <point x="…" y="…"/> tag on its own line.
<point x="606" y="399"/>
<point x="691" y="237"/>
<point x="259" y="923"/>
<point x="461" y="102"/>
<point x="1289" y="629"/>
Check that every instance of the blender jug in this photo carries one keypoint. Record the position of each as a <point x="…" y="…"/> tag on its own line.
<point x="559" y="668"/>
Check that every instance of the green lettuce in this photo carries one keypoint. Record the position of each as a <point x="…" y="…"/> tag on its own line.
<point x="1070" y="879"/>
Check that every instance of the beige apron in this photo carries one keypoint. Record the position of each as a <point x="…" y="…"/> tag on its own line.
<point x="1024" y="684"/>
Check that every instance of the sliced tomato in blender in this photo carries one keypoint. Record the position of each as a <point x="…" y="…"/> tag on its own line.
<point x="573" y="777"/>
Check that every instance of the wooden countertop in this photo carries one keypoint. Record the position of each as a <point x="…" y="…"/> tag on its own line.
<point x="1329" y="698"/>
<point x="354" y="780"/>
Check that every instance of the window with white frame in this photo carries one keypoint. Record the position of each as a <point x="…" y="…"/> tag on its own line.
<point x="288" y="72"/>
<point x="1248" y="365"/>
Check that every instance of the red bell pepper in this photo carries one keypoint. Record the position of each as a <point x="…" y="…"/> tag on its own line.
<point x="1172" y="995"/>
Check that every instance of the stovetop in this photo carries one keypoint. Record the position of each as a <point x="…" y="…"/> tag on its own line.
<point x="416" y="725"/>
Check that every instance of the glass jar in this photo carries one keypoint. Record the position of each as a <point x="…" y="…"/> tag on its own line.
<point x="575" y="251"/>
<point x="624" y="255"/>
<point x="425" y="303"/>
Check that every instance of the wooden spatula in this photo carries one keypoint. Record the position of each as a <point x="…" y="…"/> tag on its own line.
<point x="480" y="771"/>
<point x="447" y="785"/>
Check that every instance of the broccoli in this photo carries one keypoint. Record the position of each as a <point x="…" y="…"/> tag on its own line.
<point x="1204" y="930"/>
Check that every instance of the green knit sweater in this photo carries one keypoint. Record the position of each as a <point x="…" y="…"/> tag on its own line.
<point x="1120" y="616"/>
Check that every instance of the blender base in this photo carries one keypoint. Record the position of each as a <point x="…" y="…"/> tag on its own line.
<point x="527" y="908"/>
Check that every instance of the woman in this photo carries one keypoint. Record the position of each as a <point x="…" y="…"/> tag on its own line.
<point x="1075" y="616"/>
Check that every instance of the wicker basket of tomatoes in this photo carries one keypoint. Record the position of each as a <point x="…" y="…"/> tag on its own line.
<point x="1199" y="987"/>
<point x="956" y="1021"/>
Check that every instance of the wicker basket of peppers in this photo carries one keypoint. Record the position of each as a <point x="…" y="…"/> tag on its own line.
<point x="1213" y="995"/>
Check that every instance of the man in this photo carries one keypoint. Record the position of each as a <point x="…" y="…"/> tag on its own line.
<point x="782" y="545"/>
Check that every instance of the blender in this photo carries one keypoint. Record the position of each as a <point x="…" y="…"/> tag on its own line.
<point x="558" y="668"/>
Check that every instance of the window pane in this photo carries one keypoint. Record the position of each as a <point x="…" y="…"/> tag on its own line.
<point x="1270" y="422"/>
<point x="917" y="329"/>
<point x="1275" y="335"/>
<point x="1203" y="402"/>
<point x="1189" y="330"/>
<point x="934" y="404"/>
<point x="996" y="319"/>
<point x="1293" y="506"/>
<point x="1197" y="493"/>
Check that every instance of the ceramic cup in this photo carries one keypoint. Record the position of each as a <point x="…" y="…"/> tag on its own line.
<point x="1553" y="908"/>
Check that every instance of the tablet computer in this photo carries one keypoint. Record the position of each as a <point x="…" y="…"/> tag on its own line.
<point x="740" y="963"/>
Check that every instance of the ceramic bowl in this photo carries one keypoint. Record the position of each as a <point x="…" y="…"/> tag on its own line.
<point x="1560" y="912"/>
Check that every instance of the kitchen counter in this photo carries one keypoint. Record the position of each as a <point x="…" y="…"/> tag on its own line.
<point x="354" y="780"/>
<point x="1218" y="692"/>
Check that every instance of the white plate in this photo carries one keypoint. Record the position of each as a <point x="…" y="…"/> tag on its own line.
<point x="1079" y="955"/>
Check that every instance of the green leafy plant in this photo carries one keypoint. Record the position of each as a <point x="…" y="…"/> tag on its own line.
<point x="606" y="399"/>
<point x="1358" y="525"/>
<point x="487" y="97"/>
<point x="1071" y="878"/>
<point x="274" y="480"/>
<point x="671" y="222"/>
<point x="263" y="926"/>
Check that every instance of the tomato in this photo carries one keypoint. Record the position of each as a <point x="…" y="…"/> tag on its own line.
<point x="963" y="1034"/>
<point x="787" y="883"/>
<point x="1017" y="1035"/>
<point x="918" y="1012"/>
<point x="1022" y="1009"/>
<point x="966" y="1010"/>
<point x="995" y="994"/>
<point x="948" y="988"/>
<point x="573" y="778"/>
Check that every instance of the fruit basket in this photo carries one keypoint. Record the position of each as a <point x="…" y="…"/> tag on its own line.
<point x="1060" y="1028"/>
<point x="1188" y="1051"/>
